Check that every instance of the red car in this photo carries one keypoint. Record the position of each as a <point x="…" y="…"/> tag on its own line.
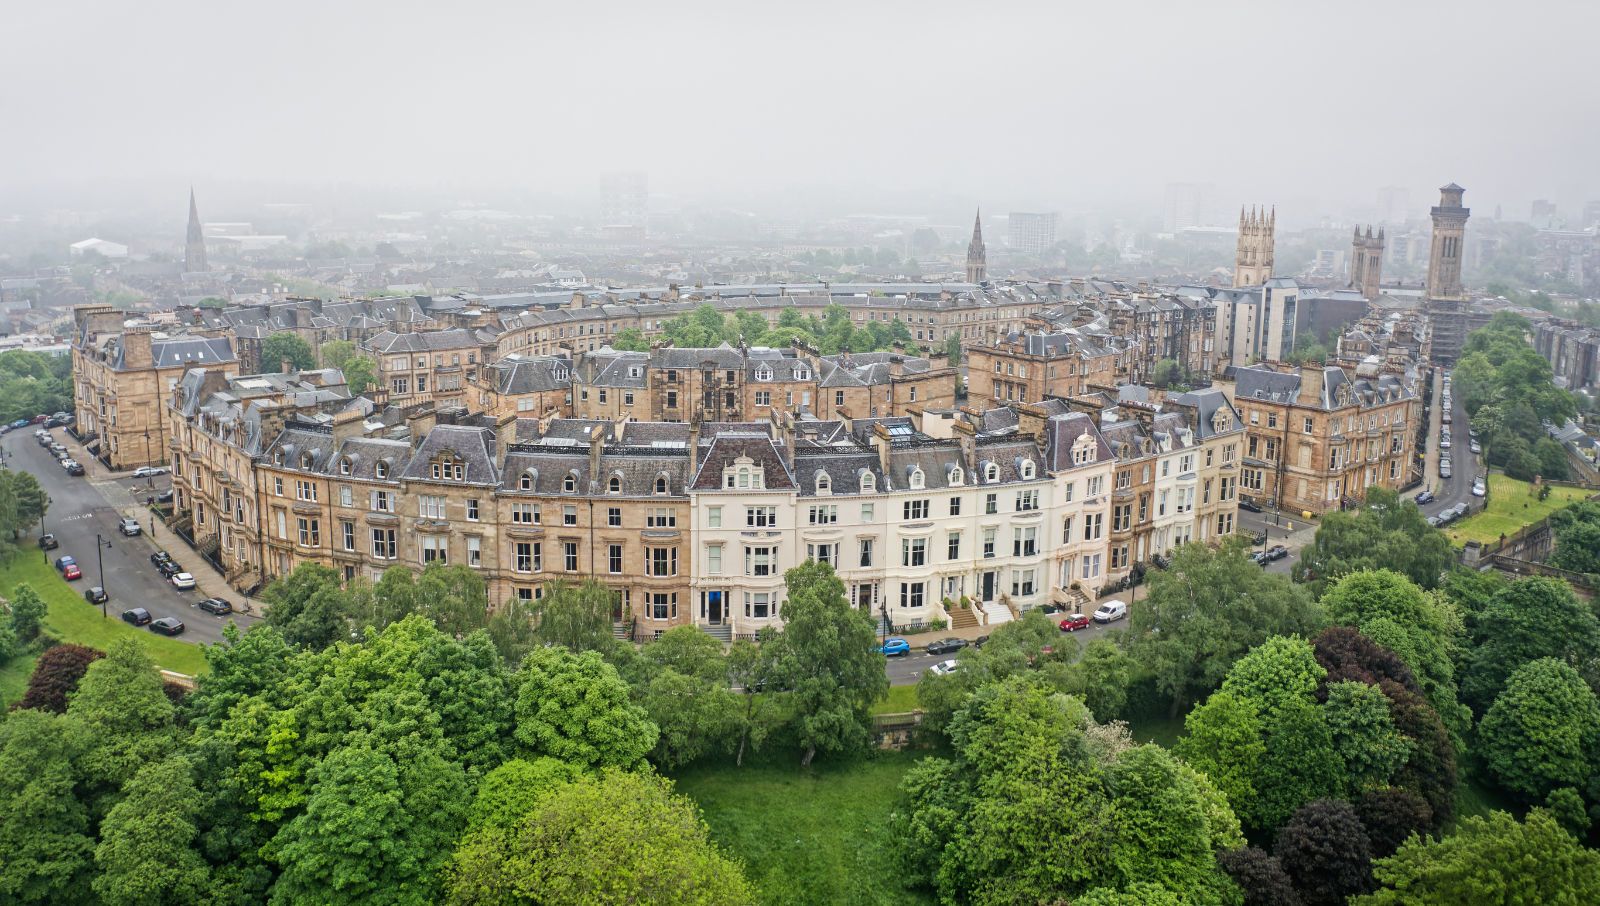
<point x="1074" y="622"/>
<point x="72" y="572"/>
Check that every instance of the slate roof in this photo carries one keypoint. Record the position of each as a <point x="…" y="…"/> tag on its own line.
<point x="474" y="446"/>
<point x="725" y="448"/>
<point x="387" y="341"/>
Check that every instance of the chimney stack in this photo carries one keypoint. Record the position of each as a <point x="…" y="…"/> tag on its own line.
<point x="597" y="446"/>
<point x="137" y="351"/>
<point x="1311" y="381"/>
<point x="967" y="437"/>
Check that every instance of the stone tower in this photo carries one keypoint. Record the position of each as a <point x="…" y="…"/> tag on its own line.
<point x="194" y="249"/>
<point x="977" y="258"/>
<point x="1366" y="263"/>
<point x="1252" y="261"/>
<point x="1449" y="240"/>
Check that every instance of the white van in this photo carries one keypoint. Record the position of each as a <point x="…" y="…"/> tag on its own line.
<point x="1111" y="610"/>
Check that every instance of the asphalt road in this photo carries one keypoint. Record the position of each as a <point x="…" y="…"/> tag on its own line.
<point x="81" y="507"/>
<point x="1464" y="465"/>
<point x="905" y="670"/>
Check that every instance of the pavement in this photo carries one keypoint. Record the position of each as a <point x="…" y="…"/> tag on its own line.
<point x="94" y="504"/>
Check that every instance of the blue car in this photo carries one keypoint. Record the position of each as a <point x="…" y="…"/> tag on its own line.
<point x="895" y="647"/>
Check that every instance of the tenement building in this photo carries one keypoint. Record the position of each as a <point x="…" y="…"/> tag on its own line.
<point x="122" y="373"/>
<point x="696" y="523"/>
<point x="1317" y="439"/>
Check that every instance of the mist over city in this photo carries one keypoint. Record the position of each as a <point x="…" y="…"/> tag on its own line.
<point x="875" y="453"/>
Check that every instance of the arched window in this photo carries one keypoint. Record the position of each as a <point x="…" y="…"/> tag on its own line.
<point x="344" y="465"/>
<point x="661" y="484"/>
<point x="570" y="483"/>
<point x="305" y="460"/>
<point x="991" y="473"/>
<point x="824" y="483"/>
<point x="381" y="470"/>
<point x="869" y="482"/>
<point x="1027" y="468"/>
<point x="525" y="483"/>
<point x="956" y="477"/>
<point x="277" y="457"/>
<point x="918" y="480"/>
<point x="614" y="486"/>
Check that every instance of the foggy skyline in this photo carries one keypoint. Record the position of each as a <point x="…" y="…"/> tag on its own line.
<point x="934" y="105"/>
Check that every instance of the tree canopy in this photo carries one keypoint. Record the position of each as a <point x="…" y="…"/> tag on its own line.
<point x="1387" y="532"/>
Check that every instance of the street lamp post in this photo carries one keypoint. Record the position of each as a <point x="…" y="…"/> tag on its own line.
<point x="100" y="544"/>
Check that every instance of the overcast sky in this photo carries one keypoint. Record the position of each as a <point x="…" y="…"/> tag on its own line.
<point x="1048" y="103"/>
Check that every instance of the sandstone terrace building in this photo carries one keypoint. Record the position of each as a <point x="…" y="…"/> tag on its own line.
<point x="1316" y="438"/>
<point x="716" y="384"/>
<point x="689" y="524"/>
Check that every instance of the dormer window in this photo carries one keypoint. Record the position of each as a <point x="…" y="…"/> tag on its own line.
<point x="802" y="373"/>
<point x="824" y="484"/>
<point x="305" y="460"/>
<point x="277" y="457"/>
<point x="570" y="483"/>
<point x="1083" y="450"/>
<point x="1027" y="468"/>
<point x="381" y="470"/>
<point x="956" y="477"/>
<point x="344" y="465"/>
<point x="869" y="482"/>
<point x="614" y="485"/>
<point x="991" y="473"/>
<point x="526" y="480"/>
<point x="918" y="480"/>
<point x="635" y="371"/>
<point x="448" y="468"/>
<point x="560" y="373"/>
<point x="661" y="484"/>
<point x="763" y="373"/>
<point x="743" y="474"/>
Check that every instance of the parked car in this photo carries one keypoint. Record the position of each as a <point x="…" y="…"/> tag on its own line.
<point x="978" y="642"/>
<point x="75" y="469"/>
<point x="1111" y="610"/>
<point x="160" y="557"/>
<point x="1444" y="468"/>
<point x="138" y="616"/>
<point x="64" y="561"/>
<point x="945" y="668"/>
<point x="216" y="606"/>
<point x="168" y="568"/>
<point x="1257" y="538"/>
<point x="130" y="527"/>
<point x="1259" y="558"/>
<point x="1074" y="622"/>
<point x="889" y="648"/>
<point x="1246" y="503"/>
<point x="48" y="542"/>
<point x="1447" y="415"/>
<point x="148" y="471"/>
<point x="1479" y="489"/>
<point x="96" y="595"/>
<point x="946" y="646"/>
<point x="182" y="581"/>
<point x="1444" y="443"/>
<point x="19" y="423"/>
<point x="1277" y="552"/>
<point x="1433" y="521"/>
<point x="164" y="497"/>
<point x="38" y="419"/>
<point x="72" y="573"/>
<point x="167" y="626"/>
<point x="1425" y="497"/>
<point x="1475" y="447"/>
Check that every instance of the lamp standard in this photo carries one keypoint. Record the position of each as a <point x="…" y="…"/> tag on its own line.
<point x="100" y="544"/>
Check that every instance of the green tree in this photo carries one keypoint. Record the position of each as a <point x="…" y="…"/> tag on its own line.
<point x="246" y="664"/>
<point x="1161" y="826"/>
<point x="27" y="613"/>
<point x="1364" y="733"/>
<point x="696" y="711"/>
<point x="1204" y="612"/>
<point x="1276" y="672"/>
<point x="630" y="339"/>
<point x="46" y="847"/>
<point x="511" y="790"/>
<point x="1300" y="764"/>
<point x="335" y="353"/>
<point x="952" y="349"/>
<point x="1490" y="860"/>
<point x="1421" y="629"/>
<point x="1386" y="533"/>
<point x="576" y="708"/>
<point x="375" y="828"/>
<point x="309" y="607"/>
<point x="826" y="657"/>
<point x="120" y="701"/>
<point x="1531" y="619"/>
<point x="576" y="616"/>
<point x="146" y="853"/>
<point x="1543" y="731"/>
<point x="360" y="373"/>
<point x="1223" y="740"/>
<point x="618" y="838"/>
<point x="286" y="347"/>
<point x="1166" y="373"/>
<point x="1325" y="851"/>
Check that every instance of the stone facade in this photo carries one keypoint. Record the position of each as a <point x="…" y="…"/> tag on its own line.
<point x="1366" y="263"/>
<point x="1252" y="262"/>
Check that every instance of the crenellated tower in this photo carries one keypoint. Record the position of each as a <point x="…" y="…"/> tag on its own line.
<point x="1366" y="262"/>
<point x="1252" y="260"/>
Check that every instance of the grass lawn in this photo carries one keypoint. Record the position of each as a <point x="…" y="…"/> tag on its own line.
<point x="72" y="619"/>
<point x="901" y="699"/>
<point x="14" y="679"/>
<point x="806" y="836"/>
<point x="1512" y="505"/>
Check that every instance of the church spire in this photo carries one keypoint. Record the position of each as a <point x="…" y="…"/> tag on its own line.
<point x="977" y="255"/>
<point x="194" y="249"/>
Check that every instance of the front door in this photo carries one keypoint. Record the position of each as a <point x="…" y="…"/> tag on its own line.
<point x="714" y="608"/>
<point x="988" y="586"/>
